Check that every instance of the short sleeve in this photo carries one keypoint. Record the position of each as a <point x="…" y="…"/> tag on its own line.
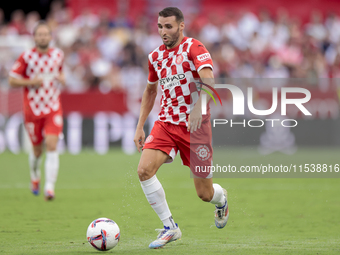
<point x="152" y="78"/>
<point x="19" y="68"/>
<point x="200" y="55"/>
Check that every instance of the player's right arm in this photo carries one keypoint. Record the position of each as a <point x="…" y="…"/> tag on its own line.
<point x="17" y="77"/>
<point x="148" y="100"/>
<point x="24" y="82"/>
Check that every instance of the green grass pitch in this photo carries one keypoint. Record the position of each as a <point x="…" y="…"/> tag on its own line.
<point x="267" y="216"/>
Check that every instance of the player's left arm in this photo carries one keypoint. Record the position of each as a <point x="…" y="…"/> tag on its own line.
<point x="204" y="66"/>
<point x="195" y="117"/>
<point x="61" y="79"/>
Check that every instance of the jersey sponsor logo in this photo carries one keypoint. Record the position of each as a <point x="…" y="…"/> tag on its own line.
<point x="203" y="152"/>
<point x="179" y="59"/>
<point x="149" y="139"/>
<point x="171" y="81"/>
<point x="204" y="57"/>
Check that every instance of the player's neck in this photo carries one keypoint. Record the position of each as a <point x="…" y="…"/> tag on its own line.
<point x="42" y="51"/>
<point x="180" y="39"/>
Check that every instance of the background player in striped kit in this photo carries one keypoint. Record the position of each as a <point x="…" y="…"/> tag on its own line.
<point x="180" y="126"/>
<point x="39" y="72"/>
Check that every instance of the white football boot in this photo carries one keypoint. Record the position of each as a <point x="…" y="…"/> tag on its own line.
<point x="222" y="213"/>
<point x="49" y="195"/>
<point x="166" y="235"/>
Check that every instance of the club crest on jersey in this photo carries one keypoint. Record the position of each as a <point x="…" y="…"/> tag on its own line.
<point x="203" y="152"/>
<point x="58" y="120"/>
<point x="179" y="59"/>
<point x="204" y="57"/>
<point x="149" y="139"/>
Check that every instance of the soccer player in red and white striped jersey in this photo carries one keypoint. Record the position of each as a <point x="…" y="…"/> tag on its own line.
<point x="39" y="72"/>
<point x="180" y="126"/>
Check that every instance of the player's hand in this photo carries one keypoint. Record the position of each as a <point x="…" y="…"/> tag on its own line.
<point x="36" y="82"/>
<point x="195" y="119"/>
<point x="139" y="138"/>
<point x="61" y="79"/>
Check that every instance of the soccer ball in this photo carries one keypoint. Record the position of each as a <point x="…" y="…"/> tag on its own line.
<point x="103" y="234"/>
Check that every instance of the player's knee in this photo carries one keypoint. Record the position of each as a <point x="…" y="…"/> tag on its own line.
<point x="38" y="154"/>
<point x="205" y="196"/>
<point x="51" y="142"/>
<point x="144" y="173"/>
<point x="51" y="146"/>
<point x="37" y="151"/>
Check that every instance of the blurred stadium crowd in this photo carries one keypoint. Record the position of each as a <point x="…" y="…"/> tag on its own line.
<point x="110" y="52"/>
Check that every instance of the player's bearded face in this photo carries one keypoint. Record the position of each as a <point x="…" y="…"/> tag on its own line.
<point x="42" y="37"/>
<point x="169" y="30"/>
<point x="171" y="39"/>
